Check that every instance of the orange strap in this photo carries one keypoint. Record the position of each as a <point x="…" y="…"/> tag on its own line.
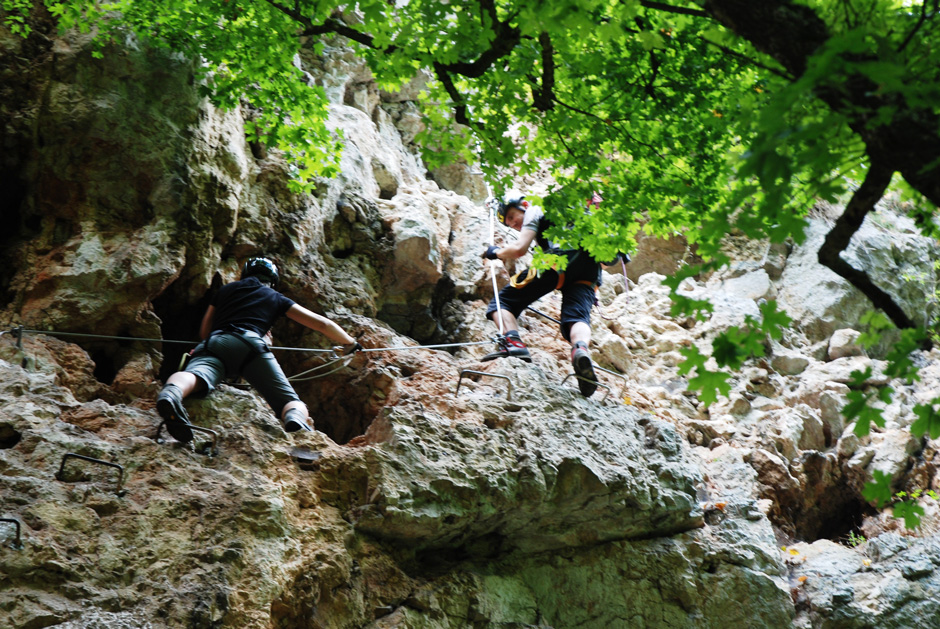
<point x="561" y="281"/>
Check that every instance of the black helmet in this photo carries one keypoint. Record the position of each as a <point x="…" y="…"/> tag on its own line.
<point x="262" y="268"/>
<point x="511" y="200"/>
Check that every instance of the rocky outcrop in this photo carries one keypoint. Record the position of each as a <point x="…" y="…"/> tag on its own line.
<point x="440" y="492"/>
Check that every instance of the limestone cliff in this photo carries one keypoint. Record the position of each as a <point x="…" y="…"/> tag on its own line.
<point x="431" y="497"/>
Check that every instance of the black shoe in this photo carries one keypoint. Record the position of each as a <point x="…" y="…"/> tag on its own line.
<point x="293" y="422"/>
<point x="509" y="346"/>
<point x="584" y="370"/>
<point x="170" y="407"/>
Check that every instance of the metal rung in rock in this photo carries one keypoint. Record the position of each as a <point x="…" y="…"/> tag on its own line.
<point x="18" y="544"/>
<point x="71" y="455"/>
<point x="623" y="387"/>
<point x="483" y="373"/>
<point x="600" y="384"/>
<point x="214" y="451"/>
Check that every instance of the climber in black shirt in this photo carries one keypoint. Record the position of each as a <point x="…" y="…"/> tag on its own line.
<point x="233" y="332"/>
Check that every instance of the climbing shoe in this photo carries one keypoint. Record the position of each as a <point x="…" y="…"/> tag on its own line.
<point x="583" y="369"/>
<point x="509" y="346"/>
<point x="170" y="407"/>
<point x="294" y="421"/>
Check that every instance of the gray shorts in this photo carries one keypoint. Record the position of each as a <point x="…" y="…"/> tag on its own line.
<point x="246" y="355"/>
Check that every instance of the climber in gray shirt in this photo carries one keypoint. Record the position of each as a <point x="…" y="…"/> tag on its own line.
<point x="577" y="285"/>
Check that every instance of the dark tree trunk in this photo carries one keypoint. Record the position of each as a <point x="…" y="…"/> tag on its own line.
<point x="909" y="143"/>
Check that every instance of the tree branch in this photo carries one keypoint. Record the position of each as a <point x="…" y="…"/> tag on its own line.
<point x="329" y="26"/>
<point x="916" y="27"/>
<point x="838" y="238"/>
<point x="791" y="33"/>
<point x="460" y="107"/>
<point x="505" y="41"/>
<point x="542" y="96"/>
<point x="668" y="8"/>
<point x="650" y="88"/>
<point x="610" y="123"/>
<point x="294" y="13"/>
<point x="747" y="60"/>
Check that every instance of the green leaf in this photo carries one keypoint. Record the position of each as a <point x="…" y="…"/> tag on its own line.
<point x="774" y="321"/>
<point x="711" y="384"/>
<point x="899" y="359"/>
<point x="727" y="350"/>
<point x="694" y="359"/>
<point x="650" y="40"/>
<point x="928" y="420"/>
<point x="735" y="345"/>
<point x="878" y="491"/>
<point x="859" y="408"/>
<point x="877" y="323"/>
<point x="910" y="511"/>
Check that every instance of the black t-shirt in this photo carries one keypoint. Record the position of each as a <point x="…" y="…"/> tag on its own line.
<point x="581" y="266"/>
<point x="248" y="304"/>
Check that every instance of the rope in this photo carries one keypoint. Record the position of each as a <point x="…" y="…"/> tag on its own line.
<point x="295" y="349"/>
<point x="100" y="336"/>
<point x="542" y="314"/>
<point x="499" y="310"/>
<point x="343" y="359"/>
<point x="388" y="349"/>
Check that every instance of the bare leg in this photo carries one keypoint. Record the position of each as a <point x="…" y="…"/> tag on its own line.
<point x="580" y="332"/>
<point x="581" y="359"/>
<point x="186" y="382"/>
<point x="508" y="320"/>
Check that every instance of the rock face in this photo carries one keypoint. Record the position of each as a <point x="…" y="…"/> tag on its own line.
<point x="441" y="492"/>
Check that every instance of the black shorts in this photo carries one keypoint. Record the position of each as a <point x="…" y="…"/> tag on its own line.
<point x="224" y="354"/>
<point x="577" y="293"/>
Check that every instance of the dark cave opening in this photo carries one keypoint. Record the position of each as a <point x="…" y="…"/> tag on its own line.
<point x="9" y="436"/>
<point x="838" y="525"/>
<point x="836" y="515"/>
<point x="12" y="200"/>
<point x="105" y="367"/>
<point x="180" y="322"/>
<point x="825" y="503"/>
<point x="343" y="404"/>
